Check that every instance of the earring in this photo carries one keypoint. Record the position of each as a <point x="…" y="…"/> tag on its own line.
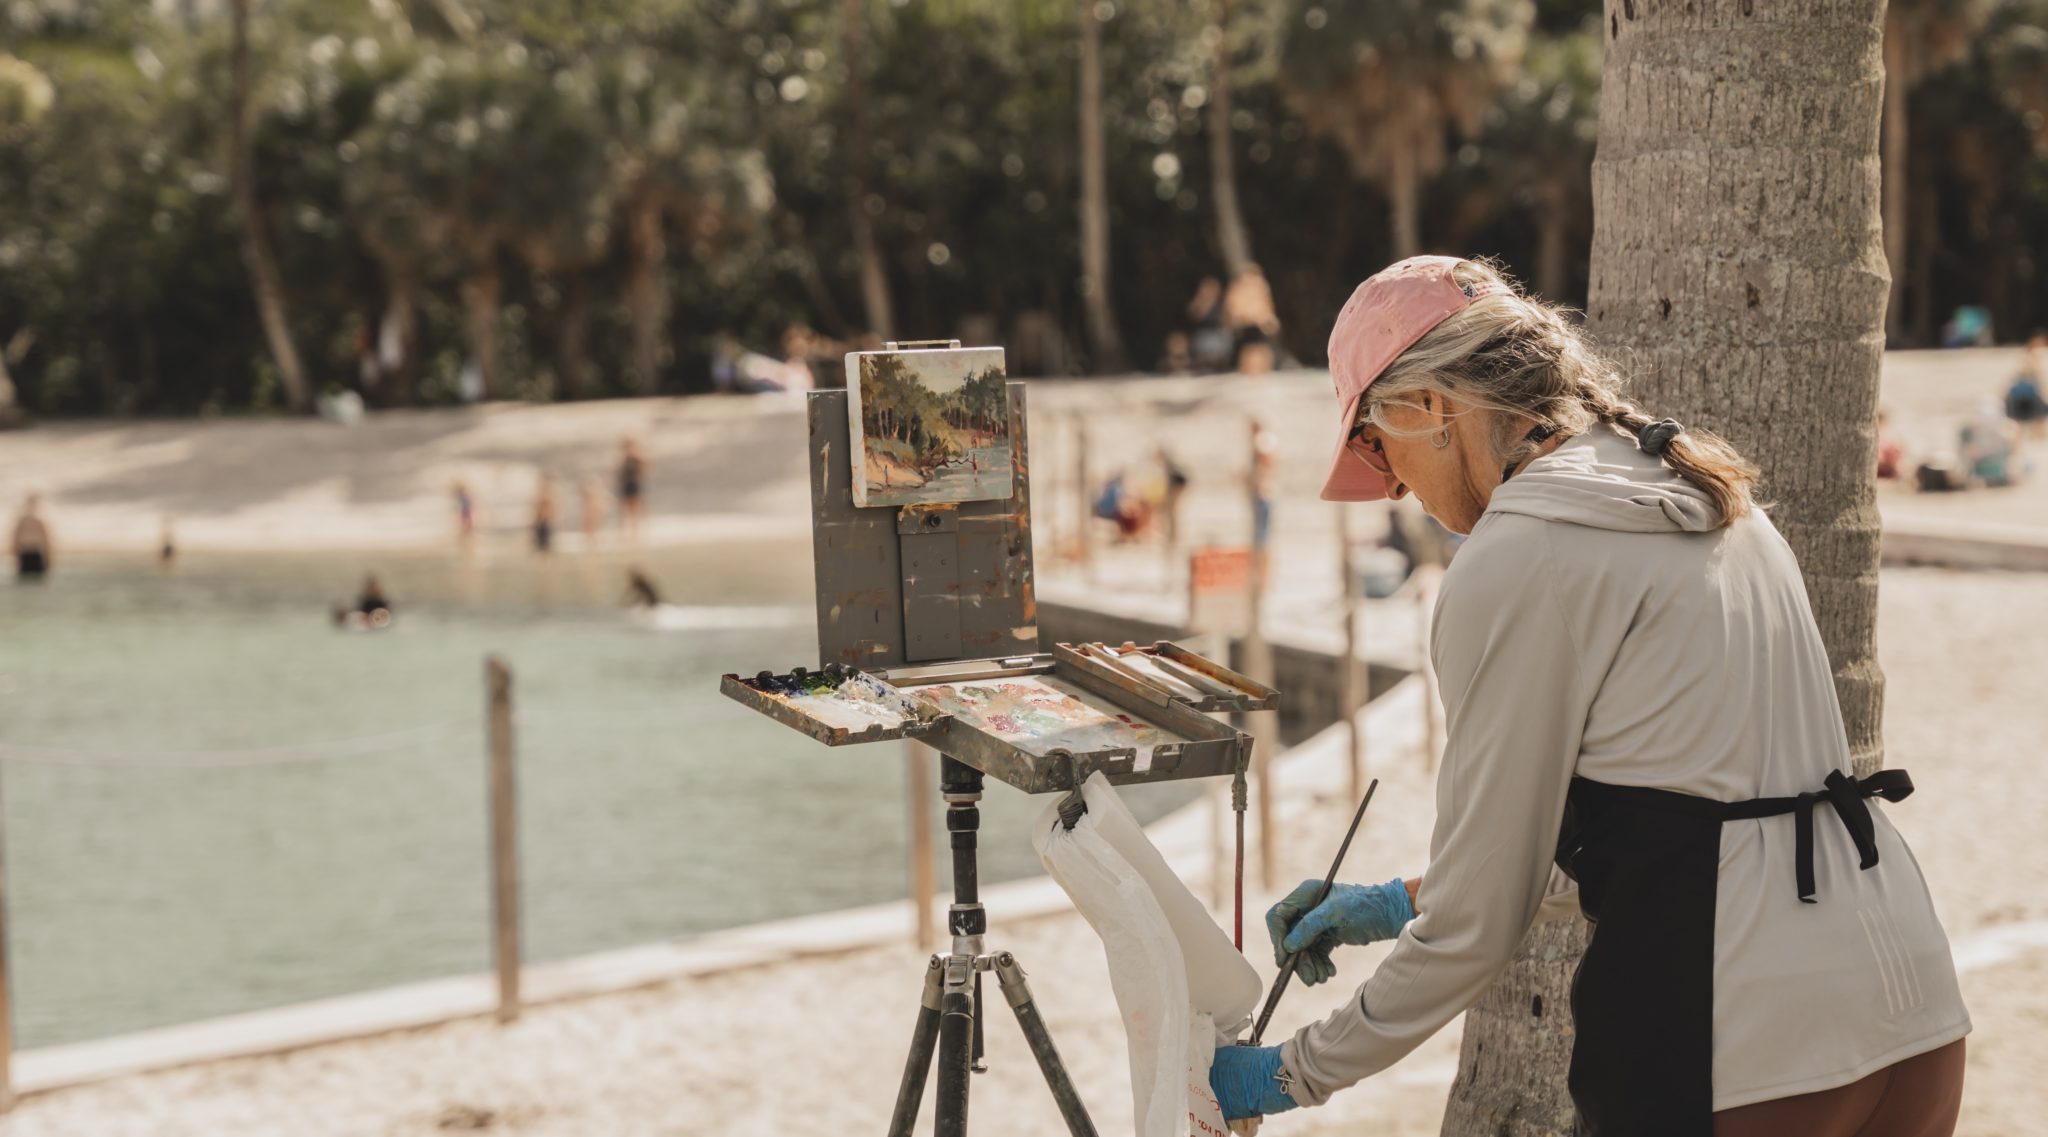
<point x="1441" y="438"/>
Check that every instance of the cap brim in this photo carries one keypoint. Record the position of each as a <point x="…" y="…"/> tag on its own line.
<point x="1351" y="479"/>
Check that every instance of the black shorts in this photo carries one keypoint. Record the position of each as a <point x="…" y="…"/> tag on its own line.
<point x="31" y="563"/>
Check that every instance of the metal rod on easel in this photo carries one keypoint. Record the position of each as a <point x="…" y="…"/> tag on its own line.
<point x="1259" y="656"/>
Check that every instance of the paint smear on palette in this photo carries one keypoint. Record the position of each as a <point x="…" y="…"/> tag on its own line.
<point x="1038" y="714"/>
<point x="858" y="703"/>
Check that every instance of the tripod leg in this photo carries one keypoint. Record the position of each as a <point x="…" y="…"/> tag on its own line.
<point x="956" y="1047"/>
<point x="922" y="1038"/>
<point x="1018" y="993"/>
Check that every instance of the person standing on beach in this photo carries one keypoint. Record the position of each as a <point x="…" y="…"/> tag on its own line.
<point x="544" y="515"/>
<point x="632" y="488"/>
<point x="465" y="513"/>
<point x="589" y="510"/>
<point x="32" y="549"/>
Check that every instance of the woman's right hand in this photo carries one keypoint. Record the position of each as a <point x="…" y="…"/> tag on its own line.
<point x="1351" y="914"/>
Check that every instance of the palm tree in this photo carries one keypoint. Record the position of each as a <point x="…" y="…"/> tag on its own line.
<point x="874" y="279"/>
<point x="1233" y="237"/>
<point x="1096" y="306"/>
<point x="1737" y="296"/>
<point x="1388" y="79"/>
<point x="1919" y="36"/>
<point x="257" y="253"/>
<point x="670" y="160"/>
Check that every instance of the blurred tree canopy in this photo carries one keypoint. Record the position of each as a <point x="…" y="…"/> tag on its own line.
<point x="579" y="198"/>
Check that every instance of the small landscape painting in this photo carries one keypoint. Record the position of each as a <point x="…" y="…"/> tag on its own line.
<point x="929" y="426"/>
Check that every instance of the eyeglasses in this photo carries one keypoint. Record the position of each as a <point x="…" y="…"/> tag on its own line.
<point x="1368" y="451"/>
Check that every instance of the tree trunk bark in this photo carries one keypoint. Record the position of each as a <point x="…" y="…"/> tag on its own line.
<point x="257" y="254"/>
<point x="647" y="295"/>
<point x="1551" y="231"/>
<point x="572" y="339"/>
<point x="1402" y="179"/>
<point x="1096" y="309"/>
<point x="1898" y="79"/>
<point x="481" y="295"/>
<point x="874" y="275"/>
<point x="400" y="324"/>
<point x="1742" y="276"/>
<point x="1233" y="239"/>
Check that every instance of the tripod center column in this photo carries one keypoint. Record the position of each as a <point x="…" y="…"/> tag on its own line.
<point x="960" y="785"/>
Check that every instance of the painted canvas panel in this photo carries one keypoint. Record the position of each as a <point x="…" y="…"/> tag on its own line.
<point x="928" y="426"/>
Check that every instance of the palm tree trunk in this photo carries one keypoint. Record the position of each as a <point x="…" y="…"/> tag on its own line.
<point x="401" y="322"/>
<point x="874" y="276"/>
<point x="1727" y="328"/>
<point x="1095" y="299"/>
<point x="1898" y="51"/>
<point x="1552" y="262"/>
<point x="482" y="292"/>
<point x="257" y="254"/>
<point x="1233" y="239"/>
<point x="572" y="338"/>
<point x="647" y="293"/>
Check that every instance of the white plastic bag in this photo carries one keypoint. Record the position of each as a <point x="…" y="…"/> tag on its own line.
<point x="1181" y="987"/>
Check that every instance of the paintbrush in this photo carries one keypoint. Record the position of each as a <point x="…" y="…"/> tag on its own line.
<point x="1322" y="894"/>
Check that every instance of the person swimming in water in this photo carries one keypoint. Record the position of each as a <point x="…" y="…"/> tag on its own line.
<point x="640" y="590"/>
<point x="372" y="608"/>
<point x="31" y="540"/>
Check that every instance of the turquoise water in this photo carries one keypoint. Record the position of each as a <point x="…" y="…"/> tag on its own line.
<point x="149" y="884"/>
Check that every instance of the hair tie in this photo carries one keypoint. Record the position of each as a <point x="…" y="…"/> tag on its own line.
<point x="1655" y="437"/>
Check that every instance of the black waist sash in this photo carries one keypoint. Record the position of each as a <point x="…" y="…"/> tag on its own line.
<point x="1647" y="862"/>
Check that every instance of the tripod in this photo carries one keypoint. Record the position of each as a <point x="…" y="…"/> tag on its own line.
<point x="949" y="1017"/>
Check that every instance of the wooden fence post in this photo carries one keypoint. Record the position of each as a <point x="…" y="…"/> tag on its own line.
<point x="6" y="999"/>
<point x="1354" y="729"/>
<point x="504" y="806"/>
<point x="922" y="884"/>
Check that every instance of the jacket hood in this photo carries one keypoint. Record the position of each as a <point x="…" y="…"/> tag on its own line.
<point x="1603" y="480"/>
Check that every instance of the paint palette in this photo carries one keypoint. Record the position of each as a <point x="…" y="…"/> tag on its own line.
<point x="1041" y="722"/>
<point x="837" y="706"/>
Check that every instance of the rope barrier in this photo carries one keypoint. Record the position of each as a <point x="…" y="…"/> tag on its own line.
<point x="364" y="747"/>
<point x="227" y="759"/>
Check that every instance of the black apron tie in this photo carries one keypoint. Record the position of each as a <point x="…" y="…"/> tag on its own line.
<point x="1845" y="793"/>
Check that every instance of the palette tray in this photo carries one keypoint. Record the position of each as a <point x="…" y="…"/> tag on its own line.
<point x="838" y="706"/>
<point x="1041" y="722"/>
<point x="1166" y="673"/>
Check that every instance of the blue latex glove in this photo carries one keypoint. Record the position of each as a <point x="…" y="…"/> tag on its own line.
<point x="1243" y="1081"/>
<point x="1351" y="914"/>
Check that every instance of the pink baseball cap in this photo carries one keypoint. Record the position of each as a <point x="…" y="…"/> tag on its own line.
<point x="1384" y="317"/>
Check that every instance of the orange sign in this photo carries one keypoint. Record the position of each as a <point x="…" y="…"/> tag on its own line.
<point x="1220" y="591"/>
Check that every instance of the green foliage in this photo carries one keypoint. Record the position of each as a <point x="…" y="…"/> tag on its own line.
<point x="604" y="163"/>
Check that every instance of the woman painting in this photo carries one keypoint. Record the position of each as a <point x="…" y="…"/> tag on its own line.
<point x="1642" y="725"/>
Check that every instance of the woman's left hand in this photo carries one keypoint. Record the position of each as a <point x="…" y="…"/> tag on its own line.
<point x="1351" y="914"/>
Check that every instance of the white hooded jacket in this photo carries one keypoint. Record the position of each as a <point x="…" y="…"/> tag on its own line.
<point x="1599" y="623"/>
